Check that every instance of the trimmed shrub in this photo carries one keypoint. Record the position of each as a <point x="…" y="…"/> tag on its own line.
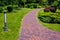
<point x="1" y="9"/>
<point x="47" y="9"/>
<point x="46" y="19"/>
<point x="50" y="9"/>
<point x="10" y="9"/>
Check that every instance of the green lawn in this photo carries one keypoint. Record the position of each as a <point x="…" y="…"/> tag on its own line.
<point x="13" y="23"/>
<point x="54" y="27"/>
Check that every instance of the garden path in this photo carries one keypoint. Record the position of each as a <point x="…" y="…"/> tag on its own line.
<point x="33" y="30"/>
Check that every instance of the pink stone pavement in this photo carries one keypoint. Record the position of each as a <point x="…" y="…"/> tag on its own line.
<point x="32" y="30"/>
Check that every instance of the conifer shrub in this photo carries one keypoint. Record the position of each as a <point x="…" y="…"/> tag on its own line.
<point x="10" y="8"/>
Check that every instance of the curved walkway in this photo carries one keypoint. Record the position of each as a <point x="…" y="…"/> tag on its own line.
<point x="32" y="30"/>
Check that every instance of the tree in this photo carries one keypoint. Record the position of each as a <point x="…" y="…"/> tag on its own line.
<point x="31" y="1"/>
<point x="21" y="3"/>
<point x="24" y="1"/>
<point x="1" y="3"/>
<point x="50" y="2"/>
<point x="55" y="3"/>
<point x="40" y="2"/>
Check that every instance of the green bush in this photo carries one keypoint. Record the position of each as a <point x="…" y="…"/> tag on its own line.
<point x="49" y="17"/>
<point x="55" y="3"/>
<point x="39" y="6"/>
<point x="1" y="4"/>
<point x="27" y="5"/>
<point x="32" y="5"/>
<point x="15" y="7"/>
<point x="46" y="19"/>
<point x="10" y="8"/>
<point x="1" y="9"/>
<point x="57" y="20"/>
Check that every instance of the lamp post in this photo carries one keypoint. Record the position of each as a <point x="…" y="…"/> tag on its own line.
<point x="5" y="23"/>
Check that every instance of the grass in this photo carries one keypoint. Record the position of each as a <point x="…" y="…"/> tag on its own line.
<point x="54" y="27"/>
<point x="13" y="23"/>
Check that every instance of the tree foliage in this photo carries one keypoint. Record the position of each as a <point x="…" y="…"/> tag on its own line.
<point x="41" y="2"/>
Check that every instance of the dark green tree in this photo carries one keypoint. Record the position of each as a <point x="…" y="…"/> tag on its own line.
<point x="50" y="2"/>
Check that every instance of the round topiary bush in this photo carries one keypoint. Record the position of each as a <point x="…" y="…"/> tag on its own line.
<point x="10" y="9"/>
<point x="46" y="19"/>
<point x="1" y="9"/>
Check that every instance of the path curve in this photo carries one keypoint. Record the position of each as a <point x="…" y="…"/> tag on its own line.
<point x="32" y="30"/>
